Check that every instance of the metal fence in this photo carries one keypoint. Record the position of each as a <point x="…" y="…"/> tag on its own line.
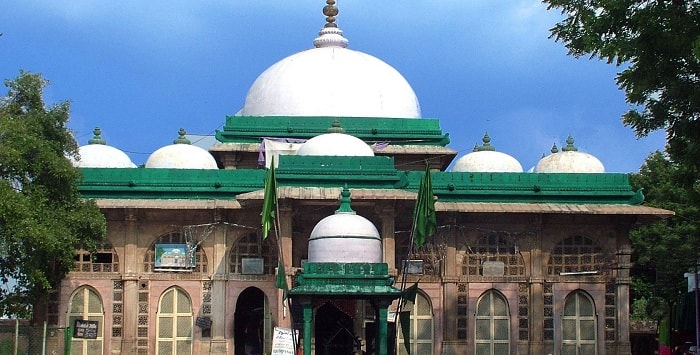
<point x="18" y="338"/>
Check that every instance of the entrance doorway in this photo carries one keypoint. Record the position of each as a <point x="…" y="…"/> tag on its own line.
<point x="250" y="323"/>
<point x="334" y="331"/>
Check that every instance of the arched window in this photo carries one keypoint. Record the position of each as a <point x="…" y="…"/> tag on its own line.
<point x="174" y="238"/>
<point x="421" y="341"/>
<point x="492" y="329"/>
<point x="578" y="325"/>
<point x="104" y="259"/>
<point x="576" y="254"/>
<point x="251" y="245"/>
<point x="175" y="324"/>
<point x="499" y="247"/>
<point x="85" y="304"/>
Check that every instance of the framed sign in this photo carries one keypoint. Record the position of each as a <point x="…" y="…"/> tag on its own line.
<point x="85" y="329"/>
<point x="173" y="256"/>
<point x="252" y="266"/>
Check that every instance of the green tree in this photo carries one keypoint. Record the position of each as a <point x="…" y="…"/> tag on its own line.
<point x="664" y="251"/>
<point x="657" y="42"/>
<point x="42" y="217"/>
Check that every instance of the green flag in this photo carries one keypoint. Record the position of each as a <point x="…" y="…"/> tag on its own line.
<point x="405" y="323"/>
<point x="281" y="281"/>
<point x="410" y="293"/>
<point x="270" y="200"/>
<point x="424" y="218"/>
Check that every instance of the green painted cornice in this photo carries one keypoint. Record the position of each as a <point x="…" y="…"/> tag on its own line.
<point x="358" y="173"/>
<point x="345" y="279"/>
<point x="602" y="188"/>
<point x="142" y="183"/>
<point x="401" y="131"/>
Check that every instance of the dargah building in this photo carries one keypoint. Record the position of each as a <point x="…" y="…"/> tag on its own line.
<point x="521" y="262"/>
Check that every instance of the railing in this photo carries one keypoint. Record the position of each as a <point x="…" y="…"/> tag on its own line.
<point x="17" y="337"/>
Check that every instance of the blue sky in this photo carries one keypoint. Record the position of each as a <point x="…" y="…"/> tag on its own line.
<point x="141" y="70"/>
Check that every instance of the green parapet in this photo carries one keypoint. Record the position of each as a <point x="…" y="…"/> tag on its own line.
<point x="330" y="171"/>
<point x="598" y="188"/>
<point x="397" y="131"/>
<point x="141" y="183"/>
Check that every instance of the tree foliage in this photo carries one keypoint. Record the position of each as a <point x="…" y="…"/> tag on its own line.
<point x="664" y="251"/>
<point x="658" y="44"/>
<point x="42" y="217"/>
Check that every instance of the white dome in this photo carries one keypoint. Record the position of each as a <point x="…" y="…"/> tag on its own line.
<point x="181" y="155"/>
<point x="569" y="160"/>
<point x="345" y="238"/>
<point x="336" y="144"/>
<point x="486" y="159"/>
<point x="96" y="154"/>
<point x="331" y="80"/>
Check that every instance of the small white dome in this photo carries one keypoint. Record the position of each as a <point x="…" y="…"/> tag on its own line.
<point x="486" y="159"/>
<point x="336" y="143"/>
<point x="569" y="160"/>
<point x="97" y="154"/>
<point x="181" y="155"/>
<point x="331" y="80"/>
<point x="345" y="238"/>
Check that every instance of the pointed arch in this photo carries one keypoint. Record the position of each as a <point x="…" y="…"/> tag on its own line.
<point x="174" y="326"/>
<point x="578" y="325"/>
<point x="422" y="326"/>
<point x="492" y="329"/>
<point x="251" y="245"/>
<point x="86" y="304"/>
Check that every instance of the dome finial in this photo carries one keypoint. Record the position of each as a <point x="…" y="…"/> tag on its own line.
<point x="330" y="35"/>
<point x="569" y="145"/>
<point x="554" y="148"/>
<point x="345" y="201"/>
<point x="335" y="127"/>
<point x="182" y="139"/>
<point x="487" y="144"/>
<point x="97" y="139"/>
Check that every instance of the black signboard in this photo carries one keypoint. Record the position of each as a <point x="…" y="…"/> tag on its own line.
<point x="85" y="329"/>
<point x="203" y="322"/>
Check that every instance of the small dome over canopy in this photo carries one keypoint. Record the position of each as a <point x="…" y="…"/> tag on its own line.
<point x="487" y="159"/>
<point x="569" y="160"/>
<point x="336" y="143"/>
<point x="345" y="237"/>
<point x="331" y="80"/>
<point x="97" y="154"/>
<point x="181" y="155"/>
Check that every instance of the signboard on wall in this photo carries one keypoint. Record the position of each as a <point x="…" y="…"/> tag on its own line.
<point x="252" y="266"/>
<point x="85" y="329"/>
<point x="173" y="256"/>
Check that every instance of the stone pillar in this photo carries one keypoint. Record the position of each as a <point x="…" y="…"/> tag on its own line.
<point x="537" y="271"/>
<point x="218" y="288"/>
<point x="387" y="215"/>
<point x="286" y="243"/>
<point x="622" y="292"/>
<point x="130" y="303"/>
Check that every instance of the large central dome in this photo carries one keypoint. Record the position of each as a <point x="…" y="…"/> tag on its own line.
<point x="331" y="80"/>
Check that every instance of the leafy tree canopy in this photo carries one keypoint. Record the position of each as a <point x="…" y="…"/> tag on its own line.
<point x="664" y="251"/>
<point x="658" y="44"/>
<point x="42" y="217"/>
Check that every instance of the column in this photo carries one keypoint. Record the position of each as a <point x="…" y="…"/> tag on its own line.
<point x="537" y="267"/>
<point x="286" y="244"/>
<point x="308" y="317"/>
<point x="218" y="286"/>
<point x="387" y="216"/>
<point x="381" y="308"/>
<point x="622" y="294"/>
<point x="130" y="300"/>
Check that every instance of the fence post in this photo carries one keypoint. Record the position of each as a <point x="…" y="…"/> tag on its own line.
<point x="68" y="340"/>
<point x="16" y="336"/>
<point x="43" y="341"/>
